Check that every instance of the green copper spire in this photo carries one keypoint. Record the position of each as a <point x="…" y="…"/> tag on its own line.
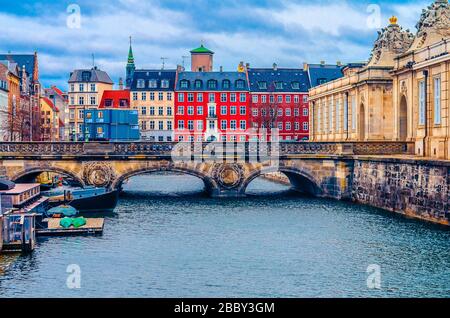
<point x="130" y="55"/>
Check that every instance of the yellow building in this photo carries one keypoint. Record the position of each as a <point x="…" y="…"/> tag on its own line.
<point x="153" y="94"/>
<point x="358" y="106"/>
<point x="50" y="120"/>
<point x="86" y="89"/>
<point x="421" y="85"/>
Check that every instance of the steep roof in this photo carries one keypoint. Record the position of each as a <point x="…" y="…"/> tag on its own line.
<point x="204" y="77"/>
<point x="58" y="91"/>
<point x="264" y="79"/>
<point x="27" y="60"/>
<point x="202" y="50"/>
<point x="158" y="75"/>
<point x="92" y="75"/>
<point x="50" y="103"/>
<point x="115" y="96"/>
<point x="323" y="73"/>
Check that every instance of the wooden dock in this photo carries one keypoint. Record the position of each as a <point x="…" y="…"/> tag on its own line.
<point x="92" y="227"/>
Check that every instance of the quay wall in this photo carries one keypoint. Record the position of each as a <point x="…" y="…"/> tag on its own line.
<point x="414" y="188"/>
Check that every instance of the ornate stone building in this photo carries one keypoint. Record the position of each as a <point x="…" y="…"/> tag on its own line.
<point x="421" y="85"/>
<point x="359" y="106"/>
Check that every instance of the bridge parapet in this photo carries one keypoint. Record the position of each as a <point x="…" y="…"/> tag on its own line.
<point x="167" y="149"/>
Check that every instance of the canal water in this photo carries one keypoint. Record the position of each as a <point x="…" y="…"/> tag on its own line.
<point x="167" y="239"/>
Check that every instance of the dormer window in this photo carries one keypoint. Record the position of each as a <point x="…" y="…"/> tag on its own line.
<point x="85" y="76"/>
<point x="262" y="85"/>
<point x="279" y="85"/>
<point x="108" y="103"/>
<point x="165" y="83"/>
<point x="240" y="84"/>
<point x="198" y="84"/>
<point x="212" y="84"/>
<point x="295" y="85"/>
<point x="123" y="103"/>
<point x="152" y="83"/>
<point x="226" y="84"/>
<point x="184" y="84"/>
<point x="140" y="83"/>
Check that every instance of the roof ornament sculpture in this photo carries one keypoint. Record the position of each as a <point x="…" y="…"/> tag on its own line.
<point x="434" y="24"/>
<point x="391" y="41"/>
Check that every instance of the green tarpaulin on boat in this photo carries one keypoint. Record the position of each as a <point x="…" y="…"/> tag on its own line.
<point x="79" y="222"/>
<point x="66" y="223"/>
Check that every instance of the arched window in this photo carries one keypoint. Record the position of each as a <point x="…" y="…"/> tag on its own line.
<point x="226" y="84"/>
<point x="198" y="84"/>
<point x="212" y="84"/>
<point x="240" y="84"/>
<point x="184" y="84"/>
<point x="140" y="83"/>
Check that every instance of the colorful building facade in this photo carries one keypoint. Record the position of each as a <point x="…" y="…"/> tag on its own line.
<point x="112" y="125"/>
<point x="86" y="89"/>
<point x="60" y="100"/>
<point x="50" y="121"/>
<point x="279" y="100"/>
<point x="4" y="92"/>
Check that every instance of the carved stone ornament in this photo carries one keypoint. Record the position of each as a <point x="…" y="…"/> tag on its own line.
<point x="228" y="176"/>
<point x="434" y="20"/>
<point x="99" y="174"/>
<point x="403" y="87"/>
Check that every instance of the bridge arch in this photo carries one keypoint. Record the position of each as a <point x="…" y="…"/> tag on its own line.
<point x="32" y="173"/>
<point x="300" y="180"/>
<point x="210" y="184"/>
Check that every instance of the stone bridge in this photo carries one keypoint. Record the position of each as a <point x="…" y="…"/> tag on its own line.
<point x="319" y="169"/>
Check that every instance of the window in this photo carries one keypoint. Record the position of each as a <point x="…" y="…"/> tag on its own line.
<point x="240" y="84"/>
<point x="345" y="113"/>
<point x="226" y="84"/>
<point x="181" y="98"/>
<point x="223" y="97"/>
<point x="200" y="125"/>
<point x="81" y="87"/>
<point x="72" y="100"/>
<point x="223" y="110"/>
<point x="200" y="110"/>
<point x="169" y="96"/>
<point x="93" y="88"/>
<point x="144" y="110"/>
<point x="190" y="110"/>
<point x="296" y="112"/>
<point x="72" y="87"/>
<point x="288" y="112"/>
<point x="190" y="97"/>
<point x="169" y="125"/>
<point x="80" y="114"/>
<point x="243" y="125"/>
<point x="161" y="111"/>
<point x="165" y="83"/>
<point x="223" y="125"/>
<point x="422" y="103"/>
<point x="152" y="96"/>
<point x="288" y="126"/>
<point x="108" y="103"/>
<point x="169" y="111"/>
<point x="295" y="85"/>
<point x="233" y="110"/>
<point x="72" y="114"/>
<point x="190" y="125"/>
<point x="161" y="125"/>
<point x="353" y="112"/>
<point x="437" y="101"/>
<point x="140" y="83"/>
<point x="160" y="96"/>
<point x="288" y="99"/>
<point x="280" y="126"/>
<point x="152" y="111"/>
<point x="211" y="97"/>
<point x="180" y="138"/>
<point x="297" y="126"/>
<point x="319" y="118"/>
<point x="184" y="84"/>
<point x="212" y="84"/>
<point x="278" y="85"/>
<point x="181" y="124"/>
<point x="93" y="100"/>
<point x="200" y="97"/>
<point x="330" y="115"/>
<point x="233" y="98"/>
<point x="152" y="125"/>
<point x="280" y="112"/>
<point x="144" y="125"/>
<point x="305" y="126"/>
<point x="255" y="99"/>
<point x="243" y="110"/>
<point x="198" y="84"/>
<point x="255" y="112"/>
<point x="272" y="99"/>
<point x="243" y="97"/>
<point x="262" y="85"/>
<point x="305" y="99"/>
<point x="144" y="96"/>
<point x="338" y="115"/>
<point x="86" y="76"/>
<point x="180" y="110"/>
<point x="264" y="99"/>
<point x="135" y="96"/>
<point x="123" y="103"/>
<point x="233" y="124"/>
<point x="280" y="99"/>
<point x="81" y="100"/>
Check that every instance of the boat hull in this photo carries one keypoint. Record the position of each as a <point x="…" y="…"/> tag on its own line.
<point x="106" y="202"/>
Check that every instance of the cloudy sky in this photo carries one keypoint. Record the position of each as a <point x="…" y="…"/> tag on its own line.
<point x="260" y="32"/>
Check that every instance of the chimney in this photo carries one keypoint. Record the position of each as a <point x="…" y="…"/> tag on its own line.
<point x="275" y="66"/>
<point x="120" y="83"/>
<point x="339" y="63"/>
<point x="305" y="67"/>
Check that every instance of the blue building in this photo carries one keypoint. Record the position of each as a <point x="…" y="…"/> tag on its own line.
<point x="111" y="125"/>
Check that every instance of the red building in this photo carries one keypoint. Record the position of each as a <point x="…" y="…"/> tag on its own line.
<point x="115" y="99"/>
<point x="211" y="106"/>
<point x="279" y="99"/>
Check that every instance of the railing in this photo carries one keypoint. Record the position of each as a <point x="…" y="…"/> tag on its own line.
<point x="166" y="149"/>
